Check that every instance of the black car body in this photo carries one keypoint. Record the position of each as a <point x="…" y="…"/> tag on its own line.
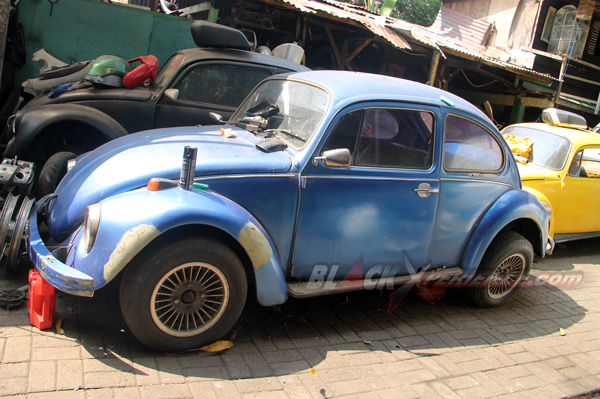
<point x="193" y="83"/>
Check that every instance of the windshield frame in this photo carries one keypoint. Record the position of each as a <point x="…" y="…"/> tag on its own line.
<point x="166" y="73"/>
<point x="239" y="114"/>
<point x="521" y="128"/>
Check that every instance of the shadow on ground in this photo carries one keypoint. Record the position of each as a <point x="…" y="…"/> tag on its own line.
<point x="299" y="334"/>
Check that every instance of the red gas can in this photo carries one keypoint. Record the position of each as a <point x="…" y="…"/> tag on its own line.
<point x="41" y="301"/>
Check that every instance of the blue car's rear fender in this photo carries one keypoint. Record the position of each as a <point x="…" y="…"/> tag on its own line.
<point x="131" y="221"/>
<point x="515" y="207"/>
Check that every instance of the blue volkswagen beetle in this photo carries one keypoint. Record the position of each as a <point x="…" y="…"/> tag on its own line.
<point x="321" y="182"/>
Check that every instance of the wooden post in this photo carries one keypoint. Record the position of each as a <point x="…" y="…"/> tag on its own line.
<point x="561" y="77"/>
<point x="518" y="111"/>
<point x="435" y="60"/>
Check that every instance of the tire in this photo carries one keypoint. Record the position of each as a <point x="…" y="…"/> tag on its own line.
<point x="52" y="172"/>
<point x="506" y="262"/>
<point x="180" y="272"/>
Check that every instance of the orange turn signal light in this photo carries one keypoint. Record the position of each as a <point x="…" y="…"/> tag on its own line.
<point x="157" y="184"/>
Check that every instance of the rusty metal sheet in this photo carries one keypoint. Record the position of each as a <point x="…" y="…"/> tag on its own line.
<point x="461" y="28"/>
<point x="395" y="31"/>
<point x="373" y="22"/>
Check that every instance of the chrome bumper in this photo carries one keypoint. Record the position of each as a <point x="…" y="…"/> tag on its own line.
<point x="55" y="272"/>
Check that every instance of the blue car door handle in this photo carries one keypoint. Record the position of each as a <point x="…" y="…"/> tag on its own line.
<point x="425" y="190"/>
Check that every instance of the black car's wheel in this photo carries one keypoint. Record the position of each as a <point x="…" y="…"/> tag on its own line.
<point x="506" y="262"/>
<point x="52" y="172"/>
<point x="184" y="294"/>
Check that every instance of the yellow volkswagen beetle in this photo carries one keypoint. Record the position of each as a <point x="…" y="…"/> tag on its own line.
<point x="559" y="162"/>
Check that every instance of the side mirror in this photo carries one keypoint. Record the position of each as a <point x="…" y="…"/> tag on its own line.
<point x="172" y="94"/>
<point x="216" y="119"/>
<point x="336" y="158"/>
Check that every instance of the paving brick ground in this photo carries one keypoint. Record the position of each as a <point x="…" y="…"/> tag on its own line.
<point x="331" y="347"/>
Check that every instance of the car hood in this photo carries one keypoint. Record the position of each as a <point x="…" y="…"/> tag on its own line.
<point x="530" y="172"/>
<point x="129" y="162"/>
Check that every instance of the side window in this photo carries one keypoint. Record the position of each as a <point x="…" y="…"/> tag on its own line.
<point x="345" y="132"/>
<point x="586" y="163"/>
<point x="469" y="147"/>
<point x="387" y="138"/>
<point x="395" y="138"/>
<point x="226" y="85"/>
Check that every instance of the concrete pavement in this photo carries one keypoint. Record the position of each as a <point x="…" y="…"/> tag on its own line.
<point x="331" y="347"/>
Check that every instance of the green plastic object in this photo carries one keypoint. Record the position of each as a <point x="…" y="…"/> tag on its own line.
<point x="447" y="101"/>
<point x="200" y="186"/>
<point x="109" y="65"/>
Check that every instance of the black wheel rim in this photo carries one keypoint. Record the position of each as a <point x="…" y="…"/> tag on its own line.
<point x="189" y="299"/>
<point x="506" y="276"/>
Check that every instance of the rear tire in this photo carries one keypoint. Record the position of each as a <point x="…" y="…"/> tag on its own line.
<point x="52" y="173"/>
<point x="506" y="262"/>
<point x="183" y="294"/>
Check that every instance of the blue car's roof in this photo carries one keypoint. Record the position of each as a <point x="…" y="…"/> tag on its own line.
<point x="348" y="87"/>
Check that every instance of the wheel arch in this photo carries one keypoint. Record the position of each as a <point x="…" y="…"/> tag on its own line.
<point x="263" y="282"/>
<point x="42" y="129"/>
<point x="206" y="230"/>
<point x="517" y="211"/>
<point x="177" y="212"/>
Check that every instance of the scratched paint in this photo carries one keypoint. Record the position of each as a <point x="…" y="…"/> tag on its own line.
<point x="130" y="244"/>
<point x="256" y="244"/>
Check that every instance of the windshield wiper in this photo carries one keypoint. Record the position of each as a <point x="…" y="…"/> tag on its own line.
<point x="287" y="133"/>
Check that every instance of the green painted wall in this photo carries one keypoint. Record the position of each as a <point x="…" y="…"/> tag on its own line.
<point x="80" y="30"/>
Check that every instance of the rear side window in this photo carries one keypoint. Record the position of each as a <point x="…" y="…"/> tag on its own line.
<point x="469" y="147"/>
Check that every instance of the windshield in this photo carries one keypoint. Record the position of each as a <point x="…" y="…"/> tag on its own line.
<point x="167" y="70"/>
<point x="549" y="150"/>
<point x="300" y="109"/>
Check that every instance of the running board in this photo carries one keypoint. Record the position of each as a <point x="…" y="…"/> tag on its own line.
<point x="558" y="238"/>
<point x="301" y="289"/>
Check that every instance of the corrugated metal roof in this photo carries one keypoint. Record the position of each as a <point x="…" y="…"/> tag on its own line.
<point x="393" y="29"/>
<point x="373" y="22"/>
<point x="461" y="28"/>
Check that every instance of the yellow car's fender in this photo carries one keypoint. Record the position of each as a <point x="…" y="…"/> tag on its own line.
<point x="547" y="205"/>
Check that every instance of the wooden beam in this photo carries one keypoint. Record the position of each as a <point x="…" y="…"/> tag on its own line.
<point x="478" y="97"/>
<point x="336" y="53"/>
<point x="591" y="82"/>
<point x="357" y="51"/>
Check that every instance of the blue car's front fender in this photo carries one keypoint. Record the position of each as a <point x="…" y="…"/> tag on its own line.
<point x="511" y="206"/>
<point x="131" y="221"/>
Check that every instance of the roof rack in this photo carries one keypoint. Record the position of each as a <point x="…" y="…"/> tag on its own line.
<point x="561" y="118"/>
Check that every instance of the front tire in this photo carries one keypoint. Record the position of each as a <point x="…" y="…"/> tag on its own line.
<point x="52" y="173"/>
<point x="184" y="294"/>
<point x="506" y="262"/>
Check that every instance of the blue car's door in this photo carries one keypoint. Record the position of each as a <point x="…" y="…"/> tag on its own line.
<point x="369" y="218"/>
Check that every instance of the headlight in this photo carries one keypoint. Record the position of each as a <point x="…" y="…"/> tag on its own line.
<point x="91" y="225"/>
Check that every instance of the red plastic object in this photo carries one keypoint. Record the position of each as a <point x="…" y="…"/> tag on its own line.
<point x="41" y="301"/>
<point x="147" y="69"/>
